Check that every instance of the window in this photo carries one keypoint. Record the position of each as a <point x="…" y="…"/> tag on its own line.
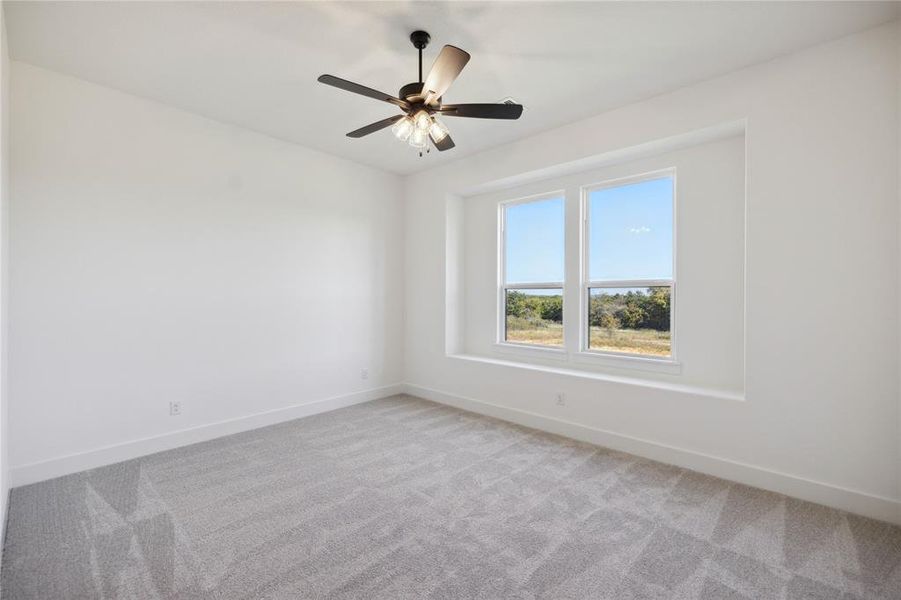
<point x="627" y="278"/>
<point x="654" y="267"/>
<point x="531" y="272"/>
<point x="628" y="269"/>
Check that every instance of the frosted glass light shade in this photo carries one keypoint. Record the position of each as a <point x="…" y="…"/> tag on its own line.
<point x="403" y="128"/>
<point x="437" y="130"/>
<point x="419" y="138"/>
<point x="422" y="120"/>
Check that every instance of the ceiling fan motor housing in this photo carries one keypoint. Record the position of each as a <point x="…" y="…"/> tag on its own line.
<point x="411" y="90"/>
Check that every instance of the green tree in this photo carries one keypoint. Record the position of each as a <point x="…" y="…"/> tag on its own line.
<point x="632" y="316"/>
<point x="552" y="308"/>
<point x="516" y="304"/>
<point x="608" y="321"/>
<point x="656" y="306"/>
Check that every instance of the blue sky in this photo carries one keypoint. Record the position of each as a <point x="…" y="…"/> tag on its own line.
<point x="631" y="235"/>
<point x="535" y="241"/>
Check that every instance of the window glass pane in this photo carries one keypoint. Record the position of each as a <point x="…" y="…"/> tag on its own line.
<point x="534" y="317"/>
<point x="534" y="241"/>
<point x="631" y="231"/>
<point x="631" y="320"/>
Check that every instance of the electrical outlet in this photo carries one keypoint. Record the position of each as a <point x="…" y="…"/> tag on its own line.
<point x="174" y="409"/>
<point x="364" y="374"/>
<point x="561" y="399"/>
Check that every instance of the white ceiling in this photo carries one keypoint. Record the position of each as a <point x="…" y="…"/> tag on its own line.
<point x="255" y="64"/>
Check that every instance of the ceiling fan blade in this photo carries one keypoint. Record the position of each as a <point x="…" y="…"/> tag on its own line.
<point x="445" y="144"/>
<point x="373" y="127"/>
<point x="482" y="111"/>
<point x="446" y="69"/>
<point x="356" y="88"/>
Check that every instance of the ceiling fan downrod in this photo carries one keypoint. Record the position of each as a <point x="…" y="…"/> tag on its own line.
<point x="420" y="40"/>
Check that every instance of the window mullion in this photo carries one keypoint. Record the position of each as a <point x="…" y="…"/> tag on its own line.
<point x="544" y="285"/>
<point x="627" y="283"/>
<point x="572" y="320"/>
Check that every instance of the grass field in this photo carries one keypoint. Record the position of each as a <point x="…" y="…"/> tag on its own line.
<point x="549" y="333"/>
<point x="546" y="333"/>
<point x="635" y="341"/>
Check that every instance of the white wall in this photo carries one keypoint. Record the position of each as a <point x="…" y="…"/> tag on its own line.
<point x="158" y="256"/>
<point x="898" y="247"/>
<point x="4" y="270"/>
<point x="820" y="418"/>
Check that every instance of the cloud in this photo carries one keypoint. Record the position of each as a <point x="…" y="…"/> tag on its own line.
<point x="639" y="230"/>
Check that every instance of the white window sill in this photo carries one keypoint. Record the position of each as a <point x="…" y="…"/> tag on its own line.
<point x="627" y="361"/>
<point x="695" y="390"/>
<point x="533" y="350"/>
<point x="597" y="359"/>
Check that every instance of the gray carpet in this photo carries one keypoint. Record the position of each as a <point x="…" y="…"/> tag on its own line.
<point x="401" y="498"/>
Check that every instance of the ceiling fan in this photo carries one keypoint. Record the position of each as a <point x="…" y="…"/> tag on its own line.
<point x="421" y="102"/>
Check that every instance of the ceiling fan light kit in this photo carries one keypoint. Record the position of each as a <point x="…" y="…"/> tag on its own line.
<point x="403" y="128"/>
<point x="421" y="101"/>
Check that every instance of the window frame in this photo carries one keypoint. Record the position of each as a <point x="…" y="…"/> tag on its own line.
<point x="503" y="286"/>
<point x="586" y="284"/>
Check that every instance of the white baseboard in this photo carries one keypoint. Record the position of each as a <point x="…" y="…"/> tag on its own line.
<point x="861" y="503"/>
<point x="868" y="505"/>
<point x="73" y="463"/>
